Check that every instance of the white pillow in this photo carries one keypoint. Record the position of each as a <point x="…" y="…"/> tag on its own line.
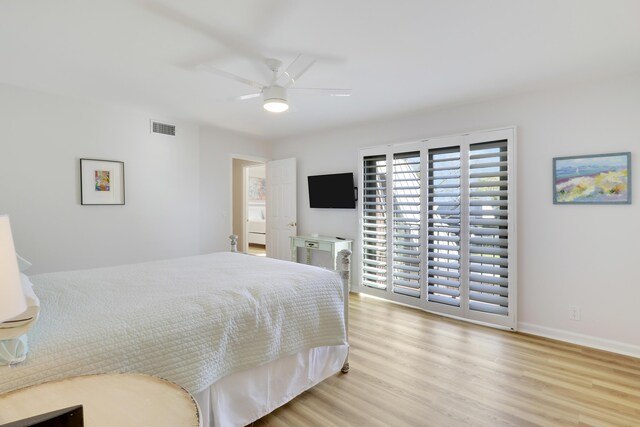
<point x="23" y="264"/>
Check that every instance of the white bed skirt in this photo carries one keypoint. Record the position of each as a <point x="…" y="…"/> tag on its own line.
<point x="241" y="398"/>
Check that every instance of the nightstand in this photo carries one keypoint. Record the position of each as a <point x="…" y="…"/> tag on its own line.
<point x="108" y="400"/>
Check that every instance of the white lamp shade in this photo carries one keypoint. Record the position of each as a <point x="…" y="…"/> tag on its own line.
<point x="12" y="301"/>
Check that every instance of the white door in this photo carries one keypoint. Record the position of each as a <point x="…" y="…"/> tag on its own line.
<point x="281" y="207"/>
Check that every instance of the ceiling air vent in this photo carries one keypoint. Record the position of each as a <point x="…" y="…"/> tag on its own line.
<point x="163" y="128"/>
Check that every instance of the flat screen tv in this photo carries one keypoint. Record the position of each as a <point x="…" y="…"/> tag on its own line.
<point x="332" y="191"/>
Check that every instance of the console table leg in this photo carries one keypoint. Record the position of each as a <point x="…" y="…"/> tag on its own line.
<point x="345" y="273"/>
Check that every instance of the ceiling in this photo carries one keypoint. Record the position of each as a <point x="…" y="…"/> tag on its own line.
<point x="397" y="56"/>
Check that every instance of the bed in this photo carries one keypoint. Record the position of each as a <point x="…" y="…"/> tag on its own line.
<point x="256" y="224"/>
<point x="243" y="334"/>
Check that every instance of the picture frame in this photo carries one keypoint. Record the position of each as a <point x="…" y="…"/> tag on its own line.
<point x="256" y="189"/>
<point x="597" y="179"/>
<point x="101" y="182"/>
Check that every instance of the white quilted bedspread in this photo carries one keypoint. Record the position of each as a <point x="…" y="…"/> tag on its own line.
<point x="189" y="320"/>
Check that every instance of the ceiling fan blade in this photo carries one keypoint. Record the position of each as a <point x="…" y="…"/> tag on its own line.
<point x="320" y="91"/>
<point x="225" y="37"/>
<point x="323" y="57"/>
<point x="231" y="76"/>
<point x="297" y="68"/>
<point x="245" y="97"/>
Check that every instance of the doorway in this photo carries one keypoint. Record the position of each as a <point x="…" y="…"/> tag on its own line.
<point x="249" y="205"/>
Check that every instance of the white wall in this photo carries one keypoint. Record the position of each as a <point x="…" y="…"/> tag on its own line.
<point x="178" y="189"/>
<point x="568" y="255"/>
<point x="217" y="149"/>
<point x="42" y="139"/>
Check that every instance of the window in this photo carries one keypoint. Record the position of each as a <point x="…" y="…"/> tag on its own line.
<point x="444" y="226"/>
<point x="438" y="225"/>
<point x="374" y="222"/>
<point x="406" y="224"/>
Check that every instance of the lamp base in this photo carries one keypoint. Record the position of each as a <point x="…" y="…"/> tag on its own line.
<point x="13" y="350"/>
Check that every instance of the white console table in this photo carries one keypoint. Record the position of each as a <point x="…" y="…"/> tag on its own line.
<point x="319" y="243"/>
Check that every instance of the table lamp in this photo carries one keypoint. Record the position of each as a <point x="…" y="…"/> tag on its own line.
<point x="12" y="300"/>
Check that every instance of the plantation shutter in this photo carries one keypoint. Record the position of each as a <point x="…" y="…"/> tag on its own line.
<point x="406" y="223"/>
<point x="444" y="221"/>
<point x="374" y="222"/>
<point x="438" y="225"/>
<point x="489" y="227"/>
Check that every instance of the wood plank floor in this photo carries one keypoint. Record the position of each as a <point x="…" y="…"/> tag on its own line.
<point x="410" y="368"/>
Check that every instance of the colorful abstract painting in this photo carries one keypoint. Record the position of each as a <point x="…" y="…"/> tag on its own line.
<point x="103" y="181"/>
<point x="597" y="179"/>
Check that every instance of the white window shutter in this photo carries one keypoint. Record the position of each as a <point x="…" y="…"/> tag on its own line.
<point x="374" y="221"/>
<point x="444" y="221"/>
<point x="438" y="225"/>
<point x="406" y="224"/>
<point x="489" y="227"/>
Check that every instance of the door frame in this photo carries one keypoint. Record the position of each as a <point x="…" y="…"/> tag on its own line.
<point x="237" y="156"/>
<point x="246" y="170"/>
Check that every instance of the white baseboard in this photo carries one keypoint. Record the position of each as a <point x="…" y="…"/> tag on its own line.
<point x="580" y="339"/>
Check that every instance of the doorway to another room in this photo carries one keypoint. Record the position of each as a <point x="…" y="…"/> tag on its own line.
<point x="249" y="206"/>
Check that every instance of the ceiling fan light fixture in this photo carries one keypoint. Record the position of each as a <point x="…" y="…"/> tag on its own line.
<point x="275" y="99"/>
<point x="276" y="106"/>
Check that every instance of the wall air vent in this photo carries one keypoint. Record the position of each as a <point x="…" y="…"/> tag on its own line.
<point x="163" y="128"/>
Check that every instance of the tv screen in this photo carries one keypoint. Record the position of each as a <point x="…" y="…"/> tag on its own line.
<point x="332" y="191"/>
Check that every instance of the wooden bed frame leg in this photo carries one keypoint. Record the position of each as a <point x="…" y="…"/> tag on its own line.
<point x="344" y="262"/>
<point x="234" y="242"/>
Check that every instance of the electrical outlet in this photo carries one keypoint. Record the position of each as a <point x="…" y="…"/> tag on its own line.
<point x="574" y="312"/>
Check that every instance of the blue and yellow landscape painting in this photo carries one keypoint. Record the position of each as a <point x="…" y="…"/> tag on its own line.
<point x="592" y="179"/>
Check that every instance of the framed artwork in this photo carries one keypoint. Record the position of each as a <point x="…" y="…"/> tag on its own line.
<point x="101" y="182"/>
<point x="257" y="189"/>
<point x="601" y="179"/>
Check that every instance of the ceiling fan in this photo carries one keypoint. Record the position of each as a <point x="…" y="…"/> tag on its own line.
<point x="274" y="94"/>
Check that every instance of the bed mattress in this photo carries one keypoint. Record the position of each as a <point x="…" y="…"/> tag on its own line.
<point x="190" y="320"/>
